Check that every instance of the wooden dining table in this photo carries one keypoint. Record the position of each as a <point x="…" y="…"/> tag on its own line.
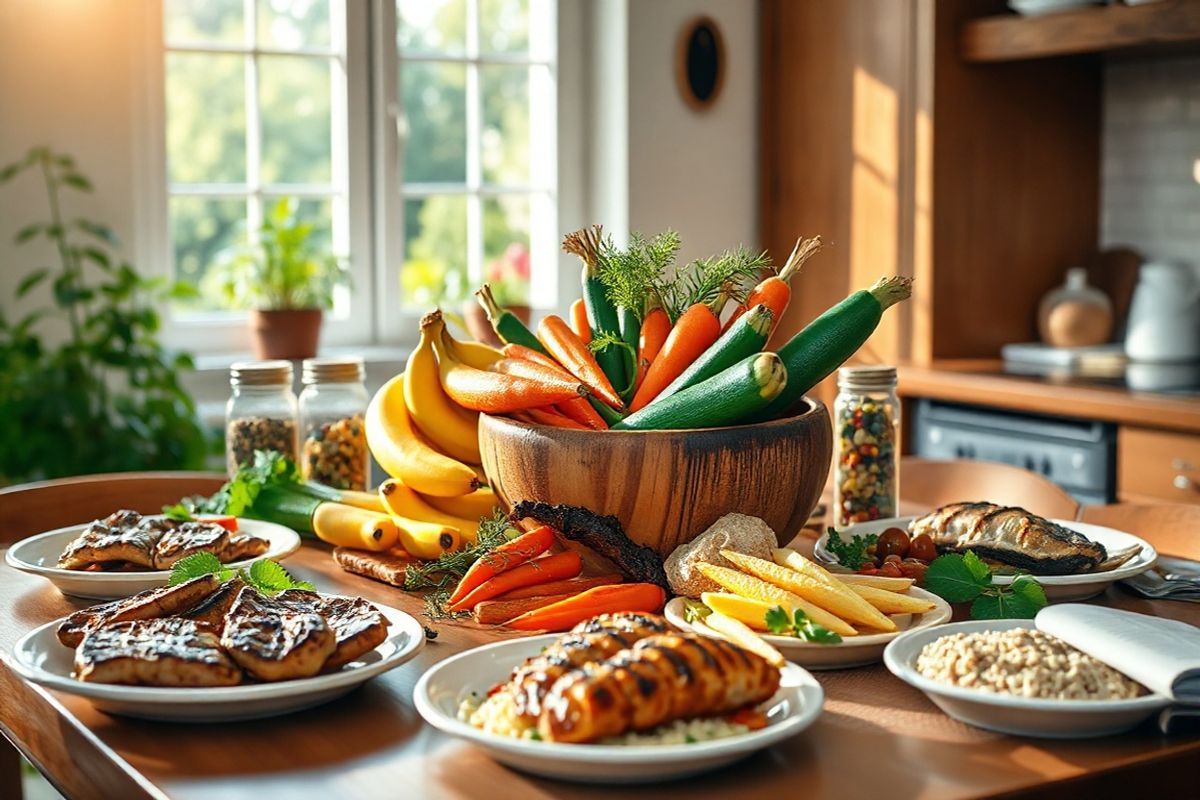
<point x="877" y="737"/>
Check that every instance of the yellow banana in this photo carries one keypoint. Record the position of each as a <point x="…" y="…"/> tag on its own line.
<point x="448" y="426"/>
<point x="403" y="452"/>
<point x="474" y="354"/>
<point x="480" y="503"/>
<point x="401" y="501"/>
<point x="427" y="540"/>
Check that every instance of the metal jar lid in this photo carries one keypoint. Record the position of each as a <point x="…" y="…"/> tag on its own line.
<point x="332" y="370"/>
<point x="261" y="373"/>
<point x="867" y="378"/>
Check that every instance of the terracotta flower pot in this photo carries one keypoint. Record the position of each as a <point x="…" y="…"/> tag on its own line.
<point x="286" y="333"/>
<point x="480" y="328"/>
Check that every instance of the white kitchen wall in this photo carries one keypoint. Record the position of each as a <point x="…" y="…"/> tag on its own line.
<point x="1150" y="191"/>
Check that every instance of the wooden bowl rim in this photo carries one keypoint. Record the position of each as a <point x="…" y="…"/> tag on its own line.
<point x="815" y="407"/>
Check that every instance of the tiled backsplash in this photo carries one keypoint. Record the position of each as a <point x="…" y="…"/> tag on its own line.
<point x="1150" y="194"/>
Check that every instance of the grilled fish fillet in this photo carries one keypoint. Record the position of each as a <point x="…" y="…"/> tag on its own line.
<point x="589" y="641"/>
<point x="1011" y="536"/>
<point x="155" y="652"/>
<point x="123" y="536"/>
<point x="660" y="679"/>
<point x="274" y="642"/>
<point x="150" y="604"/>
<point x="244" y="545"/>
<point x="187" y="538"/>
<point x="212" y="609"/>
<point x="358" y="626"/>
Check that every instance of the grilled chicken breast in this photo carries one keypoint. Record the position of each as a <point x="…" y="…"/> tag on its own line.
<point x="123" y="536"/>
<point x="1011" y="536"/>
<point x="358" y="626"/>
<point x="274" y="642"/>
<point x="244" y="545"/>
<point x="155" y="652"/>
<point x="187" y="538"/>
<point x="212" y="609"/>
<point x="660" y="679"/>
<point x="150" y="604"/>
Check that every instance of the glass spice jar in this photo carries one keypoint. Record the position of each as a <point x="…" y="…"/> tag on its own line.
<point x="261" y="413"/>
<point x="333" y="447"/>
<point x="866" y="447"/>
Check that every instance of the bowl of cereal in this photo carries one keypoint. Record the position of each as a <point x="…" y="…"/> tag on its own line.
<point x="1010" y="677"/>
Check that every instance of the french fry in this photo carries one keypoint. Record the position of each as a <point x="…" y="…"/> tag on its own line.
<point x="878" y="581"/>
<point x="744" y="609"/>
<point x="786" y="557"/>
<point x="892" y="602"/>
<point x="752" y="587"/>
<point x="740" y="634"/>
<point x="827" y="594"/>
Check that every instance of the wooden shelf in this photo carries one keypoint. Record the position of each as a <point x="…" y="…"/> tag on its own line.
<point x="1163" y="25"/>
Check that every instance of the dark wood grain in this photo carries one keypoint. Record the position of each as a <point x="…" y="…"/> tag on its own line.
<point x="935" y="483"/>
<point x="666" y="487"/>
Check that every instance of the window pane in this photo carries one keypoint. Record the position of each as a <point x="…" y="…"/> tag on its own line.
<point x="203" y="231"/>
<point x="296" y="144"/>
<point x="506" y="247"/>
<point x="206" y="118"/>
<point x="435" y="108"/>
<point x="504" y="139"/>
<point x="317" y="211"/>
<point x="204" y="21"/>
<point x="504" y="26"/>
<point x="289" y="24"/>
<point x="429" y="26"/>
<point x="435" y="251"/>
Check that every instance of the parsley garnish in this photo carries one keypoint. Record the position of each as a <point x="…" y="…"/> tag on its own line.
<point x="237" y="496"/>
<point x="966" y="579"/>
<point x="852" y="554"/>
<point x="694" y="611"/>
<point x="178" y="512"/>
<point x="265" y="575"/>
<point x="780" y="623"/>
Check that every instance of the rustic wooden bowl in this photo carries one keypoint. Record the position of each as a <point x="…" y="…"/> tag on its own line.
<point x="667" y="487"/>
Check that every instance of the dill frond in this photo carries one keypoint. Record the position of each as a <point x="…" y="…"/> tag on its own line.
<point x="629" y="275"/>
<point x="732" y="273"/>
<point x="449" y="567"/>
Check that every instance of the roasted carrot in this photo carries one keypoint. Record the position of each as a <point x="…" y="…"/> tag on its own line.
<point x="752" y="718"/>
<point x="527" y="368"/>
<point x="579" y="321"/>
<point x="496" y="392"/>
<point x="548" y="416"/>
<point x="566" y="564"/>
<point x="529" y="354"/>
<point x="602" y="600"/>
<point x="497" y="612"/>
<point x="775" y="292"/>
<point x="656" y="327"/>
<point x="694" y="332"/>
<point x="505" y="557"/>
<point x="573" y="354"/>
<point x="582" y="412"/>
<point x="571" y="586"/>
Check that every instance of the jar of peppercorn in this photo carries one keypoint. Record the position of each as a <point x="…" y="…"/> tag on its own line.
<point x="333" y="448"/>
<point x="261" y="413"/>
<point x="866" y="448"/>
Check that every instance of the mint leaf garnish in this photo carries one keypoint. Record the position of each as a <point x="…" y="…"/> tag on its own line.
<point x="777" y="621"/>
<point x="269" y="578"/>
<point x="954" y="580"/>
<point x="195" y="565"/>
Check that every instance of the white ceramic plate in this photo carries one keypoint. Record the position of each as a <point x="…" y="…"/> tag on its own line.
<point x="39" y="555"/>
<point x="42" y="659"/>
<point x="1021" y="716"/>
<point x="852" y="651"/>
<point x="438" y="693"/>
<point x="1059" y="588"/>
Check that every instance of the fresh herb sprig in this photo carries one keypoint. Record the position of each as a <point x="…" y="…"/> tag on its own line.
<point x="966" y="579"/>
<point x="630" y="275"/>
<point x="731" y="273"/>
<point x="695" y="611"/>
<point x="449" y="567"/>
<point x="237" y="496"/>
<point x="265" y="575"/>
<point x="797" y="624"/>
<point x="850" y="554"/>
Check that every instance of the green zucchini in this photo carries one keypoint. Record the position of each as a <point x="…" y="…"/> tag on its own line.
<point x="745" y="337"/>
<point x="610" y="414"/>
<point x="826" y="342"/>
<point x="602" y="318"/>
<point x="724" y="399"/>
<point x="510" y="329"/>
<point x="631" y="332"/>
<point x="290" y="507"/>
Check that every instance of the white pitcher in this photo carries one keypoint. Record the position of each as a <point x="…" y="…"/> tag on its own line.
<point x="1164" y="316"/>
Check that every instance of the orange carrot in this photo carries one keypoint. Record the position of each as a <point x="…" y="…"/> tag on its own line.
<point x="529" y="354"/>
<point x="565" y="614"/>
<point x="774" y="291"/>
<point x="505" y="557"/>
<point x="496" y="392"/>
<point x="694" y="332"/>
<point x="571" y="586"/>
<point x="656" y="327"/>
<point x="579" y="321"/>
<point x="497" y="612"/>
<point x="566" y="564"/>
<point x="573" y="354"/>
<point x="548" y="416"/>
<point x="524" y="368"/>
<point x="582" y="412"/>
<point x="751" y="717"/>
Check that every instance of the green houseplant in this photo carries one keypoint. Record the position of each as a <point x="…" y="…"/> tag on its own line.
<point x="286" y="281"/>
<point x="103" y="395"/>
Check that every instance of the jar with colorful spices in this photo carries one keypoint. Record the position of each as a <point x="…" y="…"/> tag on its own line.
<point x="261" y="413"/>
<point x="334" y="444"/>
<point x="866" y="448"/>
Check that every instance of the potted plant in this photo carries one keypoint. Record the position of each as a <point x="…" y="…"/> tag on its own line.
<point x="508" y="278"/>
<point x="285" y="281"/>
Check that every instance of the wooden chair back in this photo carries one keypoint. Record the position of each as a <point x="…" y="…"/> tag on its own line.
<point x="1173" y="528"/>
<point x="933" y="483"/>
<point x="31" y="508"/>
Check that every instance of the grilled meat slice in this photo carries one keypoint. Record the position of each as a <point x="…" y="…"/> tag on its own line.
<point x="187" y="538"/>
<point x="212" y="609"/>
<point x="601" y="534"/>
<point x="358" y="626"/>
<point x="660" y="679"/>
<point x="122" y="536"/>
<point x="155" y="652"/>
<point x="274" y="642"/>
<point x="150" y="604"/>
<point x="1011" y="536"/>
<point x="243" y="545"/>
<point x="589" y="641"/>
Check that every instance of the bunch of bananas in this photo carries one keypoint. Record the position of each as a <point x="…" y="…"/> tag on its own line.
<point x="430" y="446"/>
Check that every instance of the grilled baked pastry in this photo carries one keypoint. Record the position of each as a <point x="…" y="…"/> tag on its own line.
<point x="150" y="604"/>
<point x="121" y="537"/>
<point x="358" y="626"/>
<point x="155" y="652"/>
<point x="274" y="642"/>
<point x="660" y="679"/>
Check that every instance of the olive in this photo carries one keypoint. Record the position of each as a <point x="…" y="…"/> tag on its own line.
<point x="893" y="541"/>
<point x="922" y="548"/>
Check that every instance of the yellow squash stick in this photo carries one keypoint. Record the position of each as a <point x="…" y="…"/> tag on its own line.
<point x="878" y="581"/>
<point x="752" y="612"/>
<point x="752" y="587"/>
<point x="737" y="632"/>
<point x="892" y="602"/>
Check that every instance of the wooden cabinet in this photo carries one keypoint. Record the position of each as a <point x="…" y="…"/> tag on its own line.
<point x="1158" y="465"/>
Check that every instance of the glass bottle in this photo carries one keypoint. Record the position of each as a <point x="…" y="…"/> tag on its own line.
<point x="334" y="444"/>
<point x="261" y="413"/>
<point x="866" y="413"/>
